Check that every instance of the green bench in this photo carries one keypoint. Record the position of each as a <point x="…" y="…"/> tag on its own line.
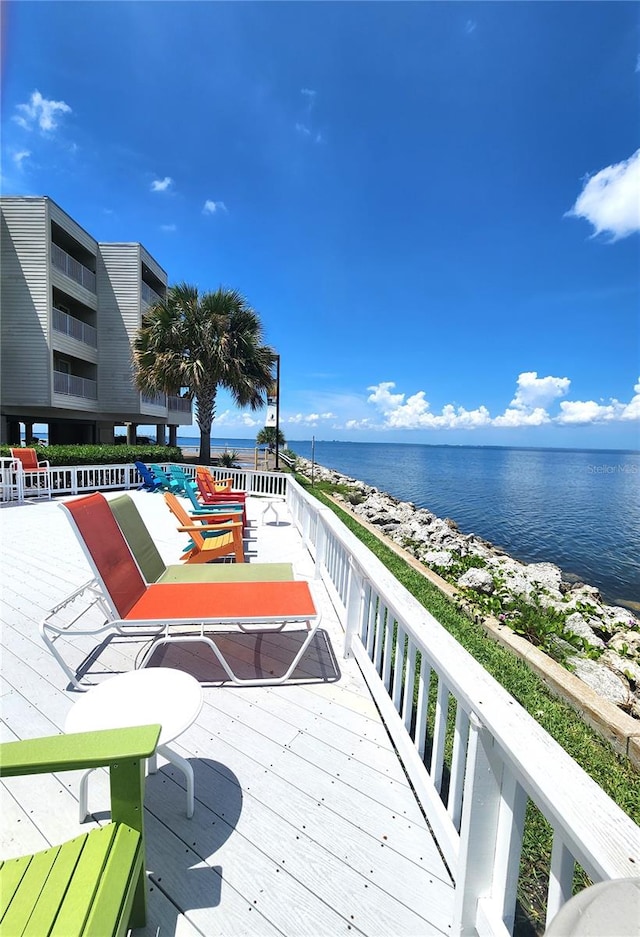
<point x="93" y="884"/>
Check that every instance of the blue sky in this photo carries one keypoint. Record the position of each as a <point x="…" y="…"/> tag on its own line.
<point x="434" y="207"/>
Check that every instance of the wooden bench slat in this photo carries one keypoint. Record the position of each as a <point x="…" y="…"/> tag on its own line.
<point x="114" y="899"/>
<point x="26" y="895"/>
<point x="76" y="904"/>
<point x="45" y="909"/>
<point x="11" y="873"/>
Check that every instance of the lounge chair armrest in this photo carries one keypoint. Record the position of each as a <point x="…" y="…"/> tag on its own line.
<point x="200" y="528"/>
<point x="44" y="464"/>
<point x="77" y="750"/>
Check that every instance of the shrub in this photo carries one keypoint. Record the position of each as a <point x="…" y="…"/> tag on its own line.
<point x="102" y="455"/>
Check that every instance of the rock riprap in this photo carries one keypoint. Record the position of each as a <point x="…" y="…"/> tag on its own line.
<point x="602" y="642"/>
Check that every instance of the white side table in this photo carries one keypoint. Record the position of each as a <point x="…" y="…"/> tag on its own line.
<point x="140" y="697"/>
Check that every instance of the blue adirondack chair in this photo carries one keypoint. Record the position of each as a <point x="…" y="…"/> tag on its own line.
<point x="166" y="482"/>
<point x="149" y="481"/>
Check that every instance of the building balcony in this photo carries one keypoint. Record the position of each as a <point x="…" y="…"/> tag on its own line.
<point x="74" y="328"/>
<point x="179" y="404"/>
<point x="74" y="386"/>
<point x="73" y="268"/>
<point x="154" y="400"/>
<point x="149" y="296"/>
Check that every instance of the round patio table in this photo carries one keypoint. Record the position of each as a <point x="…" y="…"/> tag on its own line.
<point x="161" y="695"/>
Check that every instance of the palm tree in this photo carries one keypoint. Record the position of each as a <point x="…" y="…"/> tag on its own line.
<point x="200" y="342"/>
<point x="267" y="437"/>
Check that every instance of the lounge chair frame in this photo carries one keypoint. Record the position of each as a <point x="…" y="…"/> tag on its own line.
<point x="286" y="603"/>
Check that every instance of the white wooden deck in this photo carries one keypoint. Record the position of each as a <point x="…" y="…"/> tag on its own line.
<point x="304" y="822"/>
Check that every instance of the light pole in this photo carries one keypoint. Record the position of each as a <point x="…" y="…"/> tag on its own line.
<point x="277" y="408"/>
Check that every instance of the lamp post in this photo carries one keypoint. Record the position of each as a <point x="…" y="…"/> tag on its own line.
<point x="277" y="408"/>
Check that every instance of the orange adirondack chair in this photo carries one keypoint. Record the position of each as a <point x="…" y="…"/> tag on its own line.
<point x="206" y="486"/>
<point x="209" y="540"/>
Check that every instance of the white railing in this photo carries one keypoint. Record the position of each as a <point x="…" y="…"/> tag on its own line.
<point x="180" y="404"/>
<point x="473" y="754"/>
<point x="11" y="480"/>
<point x="73" y="268"/>
<point x="155" y="400"/>
<point x="75" y="328"/>
<point x="74" y="386"/>
<point x="78" y="479"/>
<point x="150" y="296"/>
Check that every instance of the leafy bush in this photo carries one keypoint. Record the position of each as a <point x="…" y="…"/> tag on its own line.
<point x="228" y="459"/>
<point x="102" y="455"/>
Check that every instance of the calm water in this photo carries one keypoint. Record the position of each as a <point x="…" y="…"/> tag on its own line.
<point x="579" y="509"/>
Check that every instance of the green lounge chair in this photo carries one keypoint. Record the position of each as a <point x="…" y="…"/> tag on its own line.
<point x="93" y="885"/>
<point x="152" y="566"/>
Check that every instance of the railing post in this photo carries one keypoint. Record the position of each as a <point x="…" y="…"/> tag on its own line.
<point x="478" y="830"/>
<point x="355" y="596"/>
<point x="321" y="542"/>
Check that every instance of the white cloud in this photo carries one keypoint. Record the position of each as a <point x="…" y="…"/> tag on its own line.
<point x="168" y="227"/>
<point x="211" y="207"/>
<point x="302" y="128"/>
<point x="638" y="64"/>
<point x="161" y="185"/>
<point x="513" y="418"/>
<point x="588" y="411"/>
<point x="41" y="112"/>
<point x="632" y="409"/>
<point x="610" y="199"/>
<point x="529" y="407"/>
<point x="310" y="419"/>
<point x="470" y="27"/>
<point x="533" y="391"/>
<point x="20" y="156"/>
<point x="414" y="413"/>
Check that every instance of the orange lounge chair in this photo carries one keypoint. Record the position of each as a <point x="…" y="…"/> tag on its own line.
<point x="132" y="607"/>
<point x="209" y="540"/>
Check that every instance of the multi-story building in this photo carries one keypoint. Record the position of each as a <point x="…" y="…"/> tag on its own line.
<point x="70" y="308"/>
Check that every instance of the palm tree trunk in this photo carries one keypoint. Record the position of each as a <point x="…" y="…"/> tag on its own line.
<point x="205" y="407"/>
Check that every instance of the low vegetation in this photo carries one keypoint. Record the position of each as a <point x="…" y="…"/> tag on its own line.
<point x="102" y="455"/>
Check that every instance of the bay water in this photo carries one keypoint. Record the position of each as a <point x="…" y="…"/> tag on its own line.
<point x="579" y="509"/>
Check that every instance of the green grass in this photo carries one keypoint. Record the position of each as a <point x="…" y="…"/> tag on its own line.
<point x="614" y="773"/>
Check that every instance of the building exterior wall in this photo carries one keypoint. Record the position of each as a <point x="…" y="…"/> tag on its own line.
<point x="24" y="302"/>
<point x="100" y="285"/>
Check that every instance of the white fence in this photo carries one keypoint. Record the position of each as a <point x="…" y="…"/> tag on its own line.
<point x="76" y="479"/>
<point x="473" y="754"/>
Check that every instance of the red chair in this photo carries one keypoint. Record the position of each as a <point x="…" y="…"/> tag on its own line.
<point x="36" y="475"/>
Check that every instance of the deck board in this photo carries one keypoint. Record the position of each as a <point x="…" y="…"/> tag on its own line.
<point x="304" y="824"/>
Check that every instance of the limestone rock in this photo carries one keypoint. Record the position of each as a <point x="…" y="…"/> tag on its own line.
<point x="607" y="684"/>
<point x="578" y="625"/>
<point x="441" y="558"/>
<point x="626" y="642"/>
<point x="480" y="580"/>
<point x="622" y="665"/>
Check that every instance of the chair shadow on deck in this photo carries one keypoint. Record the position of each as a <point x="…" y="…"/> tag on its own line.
<point x="181" y="853"/>
<point x="258" y="655"/>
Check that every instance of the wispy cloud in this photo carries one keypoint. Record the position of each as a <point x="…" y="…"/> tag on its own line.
<point x="305" y="126"/>
<point x="161" y="185"/>
<point x="610" y="199"/>
<point x="40" y="112"/>
<point x="309" y="419"/>
<point x="20" y="156"/>
<point x="638" y="64"/>
<point x="168" y="227"/>
<point x="211" y="207"/>
<point x="470" y="27"/>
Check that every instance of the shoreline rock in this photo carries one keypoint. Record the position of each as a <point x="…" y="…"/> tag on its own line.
<point x="602" y="642"/>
